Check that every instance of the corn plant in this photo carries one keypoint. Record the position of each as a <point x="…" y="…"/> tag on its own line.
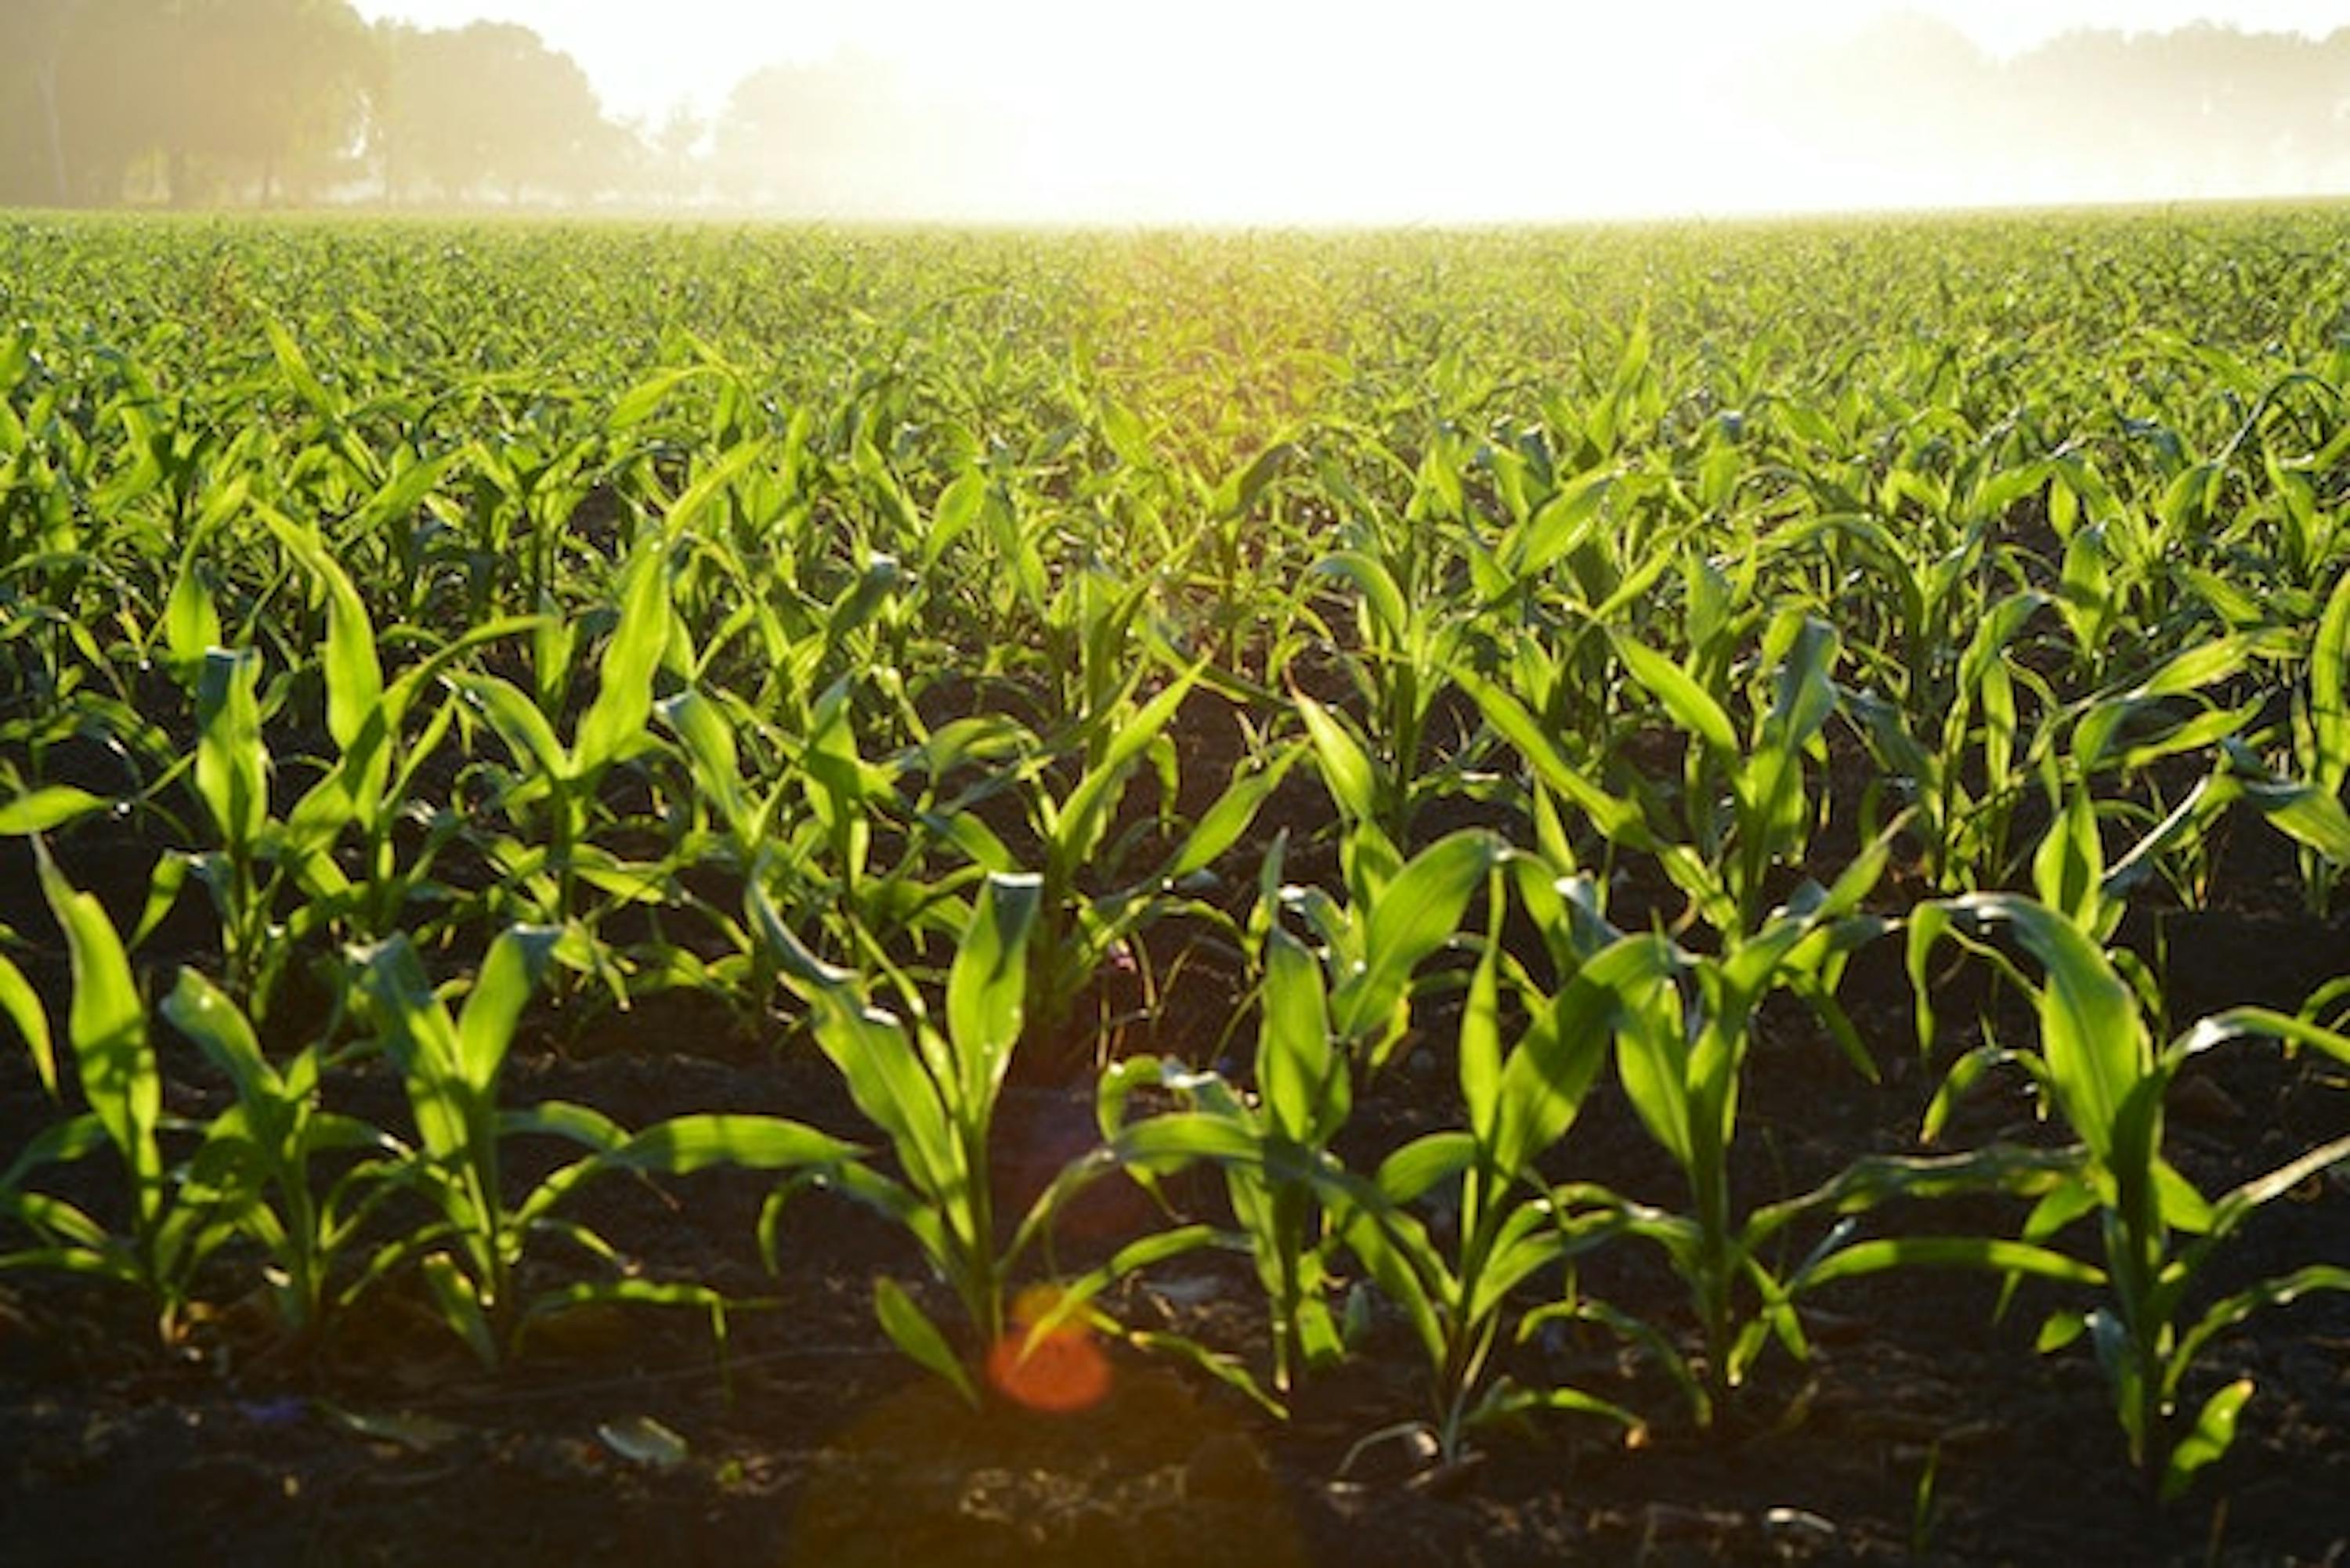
<point x="1520" y="1101"/>
<point x="260" y="1155"/>
<point x="2097" y="1066"/>
<point x="931" y="1089"/>
<point x="180" y="1213"/>
<point x="1298" y="1206"/>
<point x="1323" y="1018"/>
<point x="1405" y="642"/>
<point x="232" y="775"/>
<point x="374" y="777"/>
<point x="472" y="1253"/>
<point x="1681" y="1044"/>
<point x="2321" y="736"/>
<point x="1960" y="763"/>
<point x="273" y="880"/>
<point x="1769" y="816"/>
<point x="1092" y="901"/>
<point x="613" y="728"/>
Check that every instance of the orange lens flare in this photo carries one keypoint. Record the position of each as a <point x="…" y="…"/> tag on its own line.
<point x="1059" y="1371"/>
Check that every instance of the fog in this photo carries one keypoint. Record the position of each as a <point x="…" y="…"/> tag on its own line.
<point x="1219" y="111"/>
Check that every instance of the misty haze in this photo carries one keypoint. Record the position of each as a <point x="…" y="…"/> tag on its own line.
<point x="1222" y="115"/>
<point x="1239" y="784"/>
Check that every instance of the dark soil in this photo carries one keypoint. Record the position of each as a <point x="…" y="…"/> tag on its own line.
<point x="1922" y="1429"/>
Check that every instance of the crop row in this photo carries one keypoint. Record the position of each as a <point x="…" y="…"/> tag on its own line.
<point x="1036" y="617"/>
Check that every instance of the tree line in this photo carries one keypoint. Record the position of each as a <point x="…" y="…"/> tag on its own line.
<point x="2198" y="110"/>
<point x="275" y="101"/>
<point x="206" y="102"/>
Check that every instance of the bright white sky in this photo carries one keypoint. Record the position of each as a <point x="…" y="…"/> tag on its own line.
<point x="1431" y="109"/>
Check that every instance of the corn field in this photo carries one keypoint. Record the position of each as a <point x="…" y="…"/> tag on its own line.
<point x="1519" y="873"/>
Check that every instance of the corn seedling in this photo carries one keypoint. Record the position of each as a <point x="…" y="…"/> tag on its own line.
<point x="2099" y="1067"/>
<point x="470" y="1255"/>
<point x="933" y="1091"/>
<point x="180" y="1213"/>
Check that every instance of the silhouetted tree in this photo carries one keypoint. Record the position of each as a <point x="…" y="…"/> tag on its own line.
<point x="201" y="92"/>
<point x="852" y="137"/>
<point x="2199" y="110"/>
<point x="673" y="168"/>
<point x="33" y="36"/>
<point x="263" y="88"/>
<point x="834" y="138"/>
<point x="489" y="106"/>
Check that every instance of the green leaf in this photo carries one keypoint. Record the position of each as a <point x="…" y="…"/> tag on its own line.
<point x="1415" y="914"/>
<point x="422" y="1041"/>
<point x="683" y="1145"/>
<point x="1617" y="819"/>
<point x="43" y="810"/>
<point x="517" y="722"/>
<point x="709" y="739"/>
<point x="1506" y="1402"/>
<point x="1990" y="1253"/>
<point x="232" y="765"/>
<point x="1346" y="767"/>
<point x="190" y="623"/>
<point x="1226" y="1369"/>
<point x="1481" y="1035"/>
<point x="22" y="1005"/>
<point x="2230" y="1311"/>
<point x="2307" y="815"/>
<point x="642" y="1440"/>
<point x="2329" y="689"/>
<point x="1544" y="1081"/>
<point x="2069" y="868"/>
<point x="1807" y="686"/>
<point x="2214" y="1431"/>
<point x="987" y="986"/>
<point x="642" y="402"/>
<point x="485" y="1026"/>
<point x="1377" y="586"/>
<point x="1222" y="822"/>
<point x="2058" y="1331"/>
<point x="920" y="1338"/>
<point x="1415" y="1169"/>
<point x="576" y="1124"/>
<point x="958" y="508"/>
<point x="1304" y="1082"/>
<point x="1239" y="492"/>
<point x="885" y="1076"/>
<point x="354" y="675"/>
<point x="296" y="368"/>
<point x="624" y="694"/>
<point x="460" y="1306"/>
<point x="712" y="483"/>
<point x="197" y="1008"/>
<point x="107" y="1026"/>
<point x="2090" y="1032"/>
<point x="1077" y="829"/>
<point x="1688" y="703"/>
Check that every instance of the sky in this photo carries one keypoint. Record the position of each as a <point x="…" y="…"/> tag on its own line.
<point x="1368" y="110"/>
<point x="646" y="57"/>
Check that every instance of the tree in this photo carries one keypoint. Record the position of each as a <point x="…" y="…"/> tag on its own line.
<point x="266" y="86"/>
<point x="488" y="106"/>
<point x="112" y="76"/>
<point x="853" y="138"/>
<point x="674" y="168"/>
<point x="92" y="92"/>
<point x="33" y="36"/>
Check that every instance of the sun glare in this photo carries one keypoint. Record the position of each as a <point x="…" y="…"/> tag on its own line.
<point x="1314" y="111"/>
<point x="1057" y="1370"/>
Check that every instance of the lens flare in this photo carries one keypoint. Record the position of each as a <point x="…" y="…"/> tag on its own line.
<point x="1058" y="1369"/>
